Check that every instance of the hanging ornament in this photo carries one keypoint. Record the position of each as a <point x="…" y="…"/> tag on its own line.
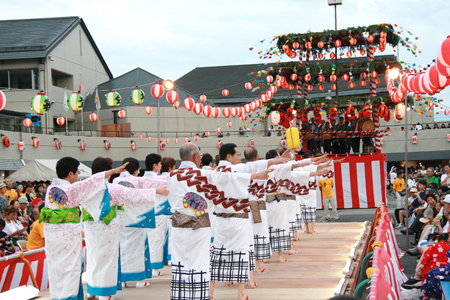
<point x="172" y="96"/>
<point x="188" y="103"/>
<point x="141" y="137"/>
<point x="362" y="52"/>
<point x="137" y="96"/>
<point x="241" y="110"/>
<point x="113" y="98"/>
<point x="225" y="92"/>
<point x="362" y="83"/>
<point x="207" y="110"/>
<point x="290" y="87"/>
<point x="321" y="78"/>
<point x="320" y="55"/>
<point x="295" y="45"/>
<point x="2" y="100"/>
<point x="320" y="87"/>
<point x="345" y="77"/>
<point x="149" y="138"/>
<point x="269" y="78"/>
<point x="218" y="130"/>
<point x="293" y="77"/>
<point x="6" y="141"/>
<point x="374" y="74"/>
<point x="27" y="122"/>
<point x="35" y="142"/>
<point x="176" y="105"/>
<point x="337" y="43"/>
<point x="215" y="112"/>
<point x="107" y="144"/>
<point x="371" y="38"/>
<point x="157" y="90"/>
<point x="333" y="77"/>
<point x="247" y="108"/>
<point x="133" y="145"/>
<point x="320" y="44"/>
<point x="196" y="137"/>
<point x="366" y="111"/>
<point x="58" y="144"/>
<point x="351" y="85"/>
<point x="364" y="75"/>
<point x="233" y="111"/>
<point x="203" y="98"/>
<point x="93" y="117"/>
<point x="75" y="101"/>
<point x="40" y="103"/>
<point x="198" y="108"/>
<point x="248" y="86"/>
<point x="308" y="45"/>
<point x="273" y="89"/>
<point x="207" y="134"/>
<point x="333" y="86"/>
<point x="414" y="139"/>
<point x="264" y="98"/>
<point x="167" y="141"/>
<point x="60" y="121"/>
<point x="226" y="112"/>
<point x="175" y="141"/>
<point x="446" y="112"/>
<point x="307" y="77"/>
<point x="309" y="87"/>
<point x="21" y="146"/>
<point x="332" y="55"/>
<point x="352" y="41"/>
<point x="349" y="54"/>
<point x="186" y="139"/>
<point x="230" y="123"/>
<point x="121" y="114"/>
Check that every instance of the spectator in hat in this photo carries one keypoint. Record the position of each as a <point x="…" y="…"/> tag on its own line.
<point x="22" y="212"/>
<point x="401" y="213"/>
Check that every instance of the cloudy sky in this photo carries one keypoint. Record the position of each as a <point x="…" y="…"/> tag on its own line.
<point x="169" y="38"/>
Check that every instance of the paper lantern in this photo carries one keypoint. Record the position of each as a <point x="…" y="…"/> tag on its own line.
<point x="351" y="85"/>
<point x="175" y="141"/>
<point x="362" y="52"/>
<point x="75" y="101"/>
<point x="149" y="138"/>
<point x="121" y="114"/>
<point x="387" y="116"/>
<point x="400" y="111"/>
<point x="444" y="52"/>
<point x="352" y="41"/>
<point x="243" y="118"/>
<point x="233" y="111"/>
<point x="230" y="123"/>
<point x="307" y="77"/>
<point x="21" y="146"/>
<point x="225" y="92"/>
<point x="196" y="137"/>
<point x="269" y="78"/>
<point x="148" y="110"/>
<point x="40" y="103"/>
<point x="264" y="98"/>
<point x="93" y="117"/>
<point x="226" y="112"/>
<point x="141" y="137"/>
<point x="269" y="94"/>
<point x="6" y="142"/>
<point x="241" y="110"/>
<point x="446" y="112"/>
<point x="293" y="76"/>
<point x="172" y="96"/>
<point x="2" y="100"/>
<point x="35" y="142"/>
<point x="345" y="77"/>
<point x="218" y="130"/>
<point x="186" y="139"/>
<point x="333" y="77"/>
<point x="137" y="96"/>
<point x="283" y="143"/>
<point x="374" y="74"/>
<point x="349" y="54"/>
<point x="275" y="117"/>
<point x="338" y="43"/>
<point x="293" y="138"/>
<point x="382" y="110"/>
<point x="60" y="121"/>
<point x="332" y="55"/>
<point x="366" y="111"/>
<point x="198" y="108"/>
<point x="295" y="45"/>
<point x="320" y="55"/>
<point x="215" y="112"/>
<point x="247" y="108"/>
<point x="58" y="144"/>
<point x="309" y="87"/>
<point x="189" y="103"/>
<point x="321" y="78"/>
<point x="362" y="83"/>
<point x="133" y="146"/>
<point x="333" y="86"/>
<point x="176" y="105"/>
<point x="371" y="38"/>
<point x="414" y="139"/>
<point x="113" y="98"/>
<point x="320" y="87"/>
<point x="253" y="105"/>
<point x="207" y="134"/>
<point x="107" y="145"/>
<point x="320" y="44"/>
<point x="308" y="45"/>
<point x="27" y="122"/>
<point x="157" y="90"/>
<point x="248" y="86"/>
<point x="448" y="137"/>
<point x="273" y="89"/>
<point x="203" y="98"/>
<point x="207" y="110"/>
<point x="377" y="80"/>
<point x="167" y="141"/>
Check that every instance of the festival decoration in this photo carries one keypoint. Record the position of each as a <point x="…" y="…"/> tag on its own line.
<point x="157" y="90"/>
<point x="93" y="117"/>
<point x="113" y="98"/>
<point x="317" y="115"/>
<point x="149" y="138"/>
<point x="333" y="113"/>
<point x="75" y="101"/>
<point x="82" y="145"/>
<point x="203" y="98"/>
<point x="175" y="141"/>
<point x="137" y="96"/>
<point x="186" y="139"/>
<point x="6" y="141"/>
<point x="207" y="110"/>
<point x="133" y="145"/>
<point x="293" y="137"/>
<point x="60" y="121"/>
<point x="40" y="103"/>
<point x="448" y="137"/>
<point x="27" y="122"/>
<point x="172" y="96"/>
<point x="167" y="141"/>
<point x="400" y="111"/>
<point x="247" y="108"/>
<point x="176" y="105"/>
<point x="275" y="118"/>
<point x="35" y="142"/>
<point x="345" y="77"/>
<point x="21" y="146"/>
<point x="207" y="134"/>
<point x="233" y="111"/>
<point x="122" y="114"/>
<point x="188" y="103"/>
<point x="198" y="108"/>
<point x="148" y="110"/>
<point x="218" y="130"/>
<point x="226" y="111"/>
<point x="350" y="114"/>
<point x="230" y="123"/>
<point x="2" y="100"/>
<point x="367" y="111"/>
<point x="141" y="137"/>
<point x="225" y="92"/>
<point x="414" y="139"/>
<point x="283" y="143"/>
<point x="387" y="116"/>
<point x="248" y="86"/>
<point x="269" y="78"/>
<point x="58" y="144"/>
<point x="107" y="144"/>
<point x="196" y="137"/>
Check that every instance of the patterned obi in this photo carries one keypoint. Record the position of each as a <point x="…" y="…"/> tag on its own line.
<point x="233" y="215"/>
<point x="290" y="197"/>
<point x="180" y="220"/>
<point x="256" y="207"/>
<point x="275" y="196"/>
<point x="58" y="216"/>
<point x="106" y="219"/>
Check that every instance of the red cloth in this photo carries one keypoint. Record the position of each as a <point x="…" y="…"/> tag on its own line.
<point x="36" y="201"/>
<point x="434" y="257"/>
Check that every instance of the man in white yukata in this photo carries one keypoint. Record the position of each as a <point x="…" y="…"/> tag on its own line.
<point x="62" y="231"/>
<point x="192" y="193"/>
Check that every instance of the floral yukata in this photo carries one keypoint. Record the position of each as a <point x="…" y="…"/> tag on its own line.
<point x="432" y="285"/>
<point x="63" y="239"/>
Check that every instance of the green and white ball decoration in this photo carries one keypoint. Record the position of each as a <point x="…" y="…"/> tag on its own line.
<point x="40" y="103"/>
<point x="75" y="101"/>
<point x="137" y="96"/>
<point x="113" y="98"/>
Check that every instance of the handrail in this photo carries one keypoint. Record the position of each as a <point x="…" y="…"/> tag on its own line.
<point x="19" y="254"/>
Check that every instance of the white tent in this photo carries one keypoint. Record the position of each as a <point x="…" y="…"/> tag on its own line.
<point x="43" y="170"/>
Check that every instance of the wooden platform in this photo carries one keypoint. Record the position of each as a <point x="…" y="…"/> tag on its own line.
<point x="313" y="273"/>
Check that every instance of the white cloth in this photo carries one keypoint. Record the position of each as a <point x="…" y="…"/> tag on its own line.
<point x="443" y="178"/>
<point x="393" y="176"/>
<point x="12" y="227"/>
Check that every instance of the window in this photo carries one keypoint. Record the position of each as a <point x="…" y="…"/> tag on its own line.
<point x="19" y="79"/>
<point x="62" y="80"/>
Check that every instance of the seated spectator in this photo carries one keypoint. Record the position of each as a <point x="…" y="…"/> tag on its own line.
<point x="16" y="204"/>
<point x="413" y="202"/>
<point x="228" y="134"/>
<point x="22" y="212"/>
<point x="402" y="128"/>
<point x="418" y="127"/>
<point x="6" y="246"/>
<point x="431" y="287"/>
<point x="427" y="127"/>
<point x="13" y="227"/>
<point x="36" y="238"/>
<point x="220" y="134"/>
<point x="4" y="201"/>
<point x="436" y="126"/>
<point x="10" y="192"/>
<point x="443" y="125"/>
<point x="435" y="256"/>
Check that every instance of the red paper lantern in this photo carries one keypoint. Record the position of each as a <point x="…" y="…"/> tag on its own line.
<point x="253" y="105"/>
<point x="148" y="110"/>
<point x="320" y="55"/>
<point x="198" y="108"/>
<point x="377" y="80"/>
<point x="248" y="86"/>
<point x="269" y="78"/>
<point x="349" y="54"/>
<point x="83" y="145"/>
<point x="362" y="83"/>
<point x="320" y="87"/>
<point x="320" y="44"/>
<point x="27" y="122"/>
<point x="333" y="77"/>
<point x="207" y="110"/>
<point x="60" y="121"/>
<point x="230" y="123"/>
<point x="141" y="137"/>
<point x="308" y="45"/>
<point x="264" y="98"/>
<point x="307" y="77"/>
<point x="121" y="114"/>
<point x="189" y="103"/>
<point x="352" y="41"/>
<point x="167" y="141"/>
<point x="215" y="112"/>
<point x="448" y="137"/>
<point x="309" y="87"/>
<point x="371" y="38"/>
<point x="332" y="55"/>
<point x="172" y="97"/>
<point x="196" y="137"/>
<point x="295" y="45"/>
<point x="247" y="108"/>
<point x="149" y="138"/>
<point x="362" y="52"/>
<point x="6" y="142"/>
<point x="186" y="140"/>
<point x="176" y="105"/>
<point x="157" y="90"/>
<point x="333" y="86"/>
<point x="293" y="76"/>
<point x="21" y="146"/>
<point x="290" y="87"/>
<point x="321" y="78"/>
<point x="2" y="100"/>
<point x="203" y="98"/>
<point x="93" y="117"/>
<point x="351" y="84"/>
<point x="207" y="134"/>
<point x="446" y="112"/>
<point x="233" y="111"/>
<point x="374" y="74"/>
<point x="338" y="43"/>
<point x="273" y="89"/>
<point x="226" y="112"/>
<point x="363" y="75"/>
<point x="218" y="130"/>
<point x="241" y="110"/>
<point x="444" y="53"/>
<point x="345" y="77"/>
<point x="175" y="141"/>
<point x="269" y="94"/>
<point x="414" y="139"/>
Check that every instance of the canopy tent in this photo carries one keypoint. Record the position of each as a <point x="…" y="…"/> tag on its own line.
<point x="43" y="170"/>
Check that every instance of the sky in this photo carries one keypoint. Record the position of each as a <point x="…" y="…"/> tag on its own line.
<point x="169" y="38"/>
